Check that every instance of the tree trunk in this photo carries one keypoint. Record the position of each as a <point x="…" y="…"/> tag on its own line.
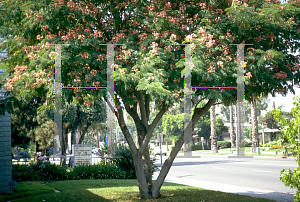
<point x="231" y="129"/>
<point x="73" y="138"/>
<point x="144" y="132"/>
<point x="63" y="141"/>
<point x="213" y="136"/>
<point x="97" y="139"/>
<point x="83" y="134"/>
<point x="93" y="141"/>
<point x="255" y="140"/>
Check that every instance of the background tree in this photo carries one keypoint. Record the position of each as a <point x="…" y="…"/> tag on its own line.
<point x="213" y="132"/>
<point x="255" y="139"/>
<point x="173" y="126"/>
<point x="203" y="126"/>
<point x="143" y="72"/>
<point x="220" y="128"/>
<point x="291" y="131"/>
<point x="24" y="121"/>
<point x="261" y="104"/>
<point x="232" y="129"/>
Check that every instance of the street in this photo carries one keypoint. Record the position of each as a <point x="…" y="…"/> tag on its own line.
<point x="221" y="173"/>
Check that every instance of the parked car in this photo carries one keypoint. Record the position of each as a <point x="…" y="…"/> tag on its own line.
<point x="157" y="151"/>
<point x="95" y="150"/>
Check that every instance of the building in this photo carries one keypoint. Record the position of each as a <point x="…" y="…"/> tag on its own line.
<point x="5" y="142"/>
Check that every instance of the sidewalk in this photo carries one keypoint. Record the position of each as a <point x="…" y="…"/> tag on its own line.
<point x="260" y="193"/>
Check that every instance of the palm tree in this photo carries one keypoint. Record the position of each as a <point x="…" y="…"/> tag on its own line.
<point x="255" y="140"/>
<point x="213" y="136"/>
<point x="231" y="129"/>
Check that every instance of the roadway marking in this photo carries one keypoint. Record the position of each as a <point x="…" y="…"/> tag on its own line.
<point x="263" y="171"/>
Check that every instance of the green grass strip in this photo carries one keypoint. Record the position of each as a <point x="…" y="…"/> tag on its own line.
<point x="126" y="190"/>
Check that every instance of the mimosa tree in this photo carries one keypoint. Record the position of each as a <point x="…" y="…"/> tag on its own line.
<point x="151" y="65"/>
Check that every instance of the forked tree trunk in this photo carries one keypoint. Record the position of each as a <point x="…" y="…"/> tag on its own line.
<point x="81" y="139"/>
<point x="231" y="129"/>
<point x="255" y="140"/>
<point x="213" y="134"/>
<point x="141" y="156"/>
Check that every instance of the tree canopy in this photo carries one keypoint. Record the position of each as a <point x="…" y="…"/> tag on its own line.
<point x="150" y="65"/>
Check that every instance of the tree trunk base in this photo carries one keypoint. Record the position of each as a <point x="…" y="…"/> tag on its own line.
<point x="214" y="150"/>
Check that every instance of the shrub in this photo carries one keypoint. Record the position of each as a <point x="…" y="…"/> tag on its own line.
<point x="291" y="180"/>
<point x="24" y="173"/>
<point x="276" y="147"/>
<point x="126" y="162"/>
<point x="52" y="172"/>
<point x="223" y="144"/>
<point x="197" y="147"/>
<point x="99" y="171"/>
<point x="273" y="143"/>
<point x="267" y="145"/>
<point x="248" y="144"/>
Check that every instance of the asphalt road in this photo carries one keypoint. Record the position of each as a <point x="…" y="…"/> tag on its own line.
<point x="258" y="174"/>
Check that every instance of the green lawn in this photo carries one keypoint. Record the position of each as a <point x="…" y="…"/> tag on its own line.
<point x="247" y="149"/>
<point x="115" y="190"/>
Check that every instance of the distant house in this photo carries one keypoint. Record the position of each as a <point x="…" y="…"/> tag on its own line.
<point x="267" y="132"/>
<point x="226" y="136"/>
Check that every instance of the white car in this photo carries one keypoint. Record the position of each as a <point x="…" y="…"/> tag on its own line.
<point x="157" y="151"/>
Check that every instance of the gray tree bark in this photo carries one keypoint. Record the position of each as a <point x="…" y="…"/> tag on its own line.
<point x="231" y="129"/>
<point x="141" y="156"/>
<point x="255" y="140"/>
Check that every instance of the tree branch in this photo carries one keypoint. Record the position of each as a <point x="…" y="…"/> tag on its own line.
<point x="152" y="126"/>
<point x="147" y="105"/>
<point x="143" y="110"/>
<point x="168" y="162"/>
<point x="200" y="101"/>
<point x="125" y="130"/>
<point x="224" y="102"/>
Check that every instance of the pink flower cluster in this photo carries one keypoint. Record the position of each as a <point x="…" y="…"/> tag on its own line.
<point x="281" y="75"/>
<point x="174" y="20"/>
<point x="151" y="7"/>
<point x="211" y="42"/>
<point x="51" y="36"/>
<point x="87" y="103"/>
<point x="163" y="14"/>
<point x="39" y="37"/>
<point x="203" y="5"/>
<point x="168" y="5"/>
<point x="51" y="55"/>
<point x="121" y="5"/>
<point x="118" y="37"/>
<point x="122" y="71"/>
<point x="84" y="55"/>
<point x="151" y="77"/>
<point x="154" y="48"/>
<point x="189" y="38"/>
<point x="155" y="34"/>
<point x="97" y="83"/>
<point x="173" y="36"/>
<point x="17" y="75"/>
<point x="249" y="75"/>
<point x="211" y="69"/>
<point x="97" y="34"/>
<point x="220" y="63"/>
